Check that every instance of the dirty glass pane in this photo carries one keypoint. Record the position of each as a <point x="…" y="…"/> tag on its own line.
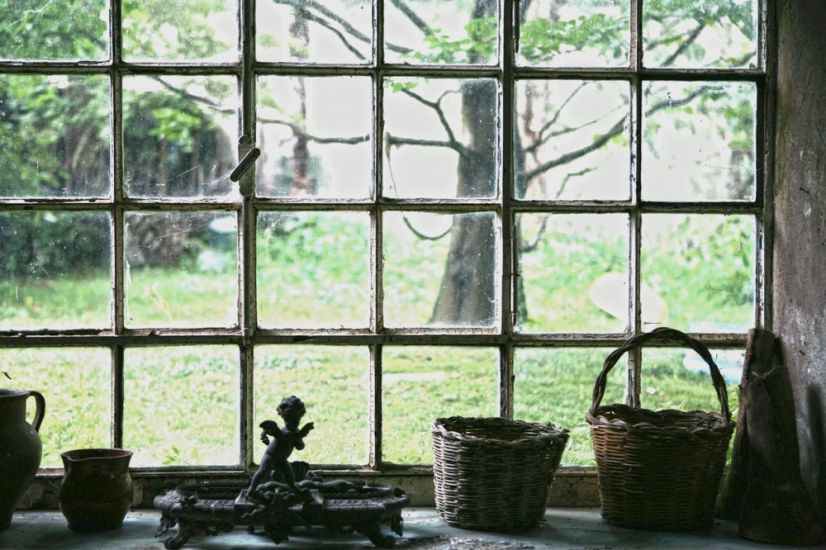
<point x="315" y="136"/>
<point x="75" y="383"/>
<point x="54" y="30"/>
<point x="703" y="268"/>
<point x="181" y="269"/>
<point x="313" y="269"/>
<point x="56" y="270"/>
<point x="179" y="135"/>
<point x="571" y="140"/>
<point x="54" y="135"/>
<point x="180" y="30"/>
<point x="439" y="32"/>
<point x="556" y="385"/>
<point x="585" y="33"/>
<point x="700" y="33"/>
<point x="181" y="405"/>
<point x="440" y="269"/>
<point x="678" y="378"/>
<point x="329" y="31"/>
<point x="699" y="141"/>
<point x="440" y="138"/>
<point x="420" y="384"/>
<point x="574" y="273"/>
<point x="333" y="383"/>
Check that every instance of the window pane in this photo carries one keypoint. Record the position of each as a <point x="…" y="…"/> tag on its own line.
<point x="574" y="272"/>
<point x="56" y="270"/>
<point x="703" y="267"/>
<point x="311" y="145"/>
<point x="179" y="135"/>
<point x="698" y="141"/>
<point x="590" y="33"/>
<point x="54" y="135"/>
<point x="677" y="378"/>
<point x="556" y="385"/>
<point x="180" y="30"/>
<point x="440" y="137"/>
<point x="440" y="269"/>
<point x="571" y="140"/>
<point x="332" y="31"/>
<point x="75" y="383"/>
<point x="332" y="382"/>
<point x="702" y="33"/>
<point x="439" y="32"/>
<point x="181" y="269"/>
<point x="51" y="30"/>
<point x="420" y="384"/>
<point x="313" y="270"/>
<point x="181" y="405"/>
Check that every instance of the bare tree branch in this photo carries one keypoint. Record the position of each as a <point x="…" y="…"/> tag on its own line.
<point x="420" y="23"/>
<point x="305" y="5"/>
<point x="421" y="235"/>
<point x="615" y="130"/>
<point x="297" y="130"/>
<point x="395" y="141"/>
<point x="437" y="106"/>
<point x="294" y="127"/>
<point x="684" y="45"/>
<point x="543" y="224"/>
<point x="343" y="39"/>
<point x="559" y="110"/>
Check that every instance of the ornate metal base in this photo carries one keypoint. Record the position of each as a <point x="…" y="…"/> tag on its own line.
<point x="338" y="506"/>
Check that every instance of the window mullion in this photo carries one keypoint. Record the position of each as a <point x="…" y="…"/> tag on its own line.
<point x="376" y="244"/>
<point x="247" y="226"/>
<point x="508" y="246"/>
<point x="632" y="396"/>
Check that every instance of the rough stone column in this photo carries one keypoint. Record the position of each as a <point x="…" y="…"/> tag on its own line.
<point x="799" y="291"/>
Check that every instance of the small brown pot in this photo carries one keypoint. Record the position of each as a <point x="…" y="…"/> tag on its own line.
<point x="96" y="491"/>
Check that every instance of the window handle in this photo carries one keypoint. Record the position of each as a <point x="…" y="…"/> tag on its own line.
<point x="245" y="164"/>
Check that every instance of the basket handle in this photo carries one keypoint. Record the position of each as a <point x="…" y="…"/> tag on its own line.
<point x="663" y="333"/>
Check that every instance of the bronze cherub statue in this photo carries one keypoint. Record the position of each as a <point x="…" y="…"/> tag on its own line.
<point x="282" y="496"/>
<point x="279" y="449"/>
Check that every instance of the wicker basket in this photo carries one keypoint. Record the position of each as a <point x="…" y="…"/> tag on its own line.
<point x="493" y="474"/>
<point x="659" y="470"/>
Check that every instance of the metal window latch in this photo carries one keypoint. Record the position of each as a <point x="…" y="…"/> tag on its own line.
<point x="245" y="164"/>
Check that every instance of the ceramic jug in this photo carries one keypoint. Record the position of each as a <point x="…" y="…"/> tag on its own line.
<point x="96" y="491"/>
<point x="20" y="448"/>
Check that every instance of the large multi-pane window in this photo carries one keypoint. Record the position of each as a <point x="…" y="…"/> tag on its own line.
<point x="459" y="208"/>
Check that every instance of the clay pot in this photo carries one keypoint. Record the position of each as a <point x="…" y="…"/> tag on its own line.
<point x="97" y="489"/>
<point x="20" y="448"/>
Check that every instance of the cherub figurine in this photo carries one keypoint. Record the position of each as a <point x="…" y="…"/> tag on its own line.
<point x="284" y="440"/>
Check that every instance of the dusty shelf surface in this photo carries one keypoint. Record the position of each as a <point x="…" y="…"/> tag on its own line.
<point x="568" y="528"/>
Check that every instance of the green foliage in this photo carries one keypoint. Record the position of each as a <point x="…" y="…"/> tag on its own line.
<point x="480" y="42"/>
<point x="53" y="242"/>
<point x="542" y="39"/>
<point x="51" y="29"/>
<point x="157" y="30"/>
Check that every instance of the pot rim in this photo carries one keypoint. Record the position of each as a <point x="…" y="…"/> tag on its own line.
<point x="14" y="392"/>
<point x="80" y="455"/>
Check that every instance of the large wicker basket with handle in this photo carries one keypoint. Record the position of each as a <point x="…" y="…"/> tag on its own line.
<point x="659" y="470"/>
<point x="493" y="474"/>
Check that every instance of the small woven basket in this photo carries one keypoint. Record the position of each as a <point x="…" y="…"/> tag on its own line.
<point x="493" y="474"/>
<point x="659" y="470"/>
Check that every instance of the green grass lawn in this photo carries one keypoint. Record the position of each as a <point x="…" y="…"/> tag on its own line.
<point x="181" y="403"/>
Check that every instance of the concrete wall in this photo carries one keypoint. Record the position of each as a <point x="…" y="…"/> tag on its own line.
<point x="800" y="223"/>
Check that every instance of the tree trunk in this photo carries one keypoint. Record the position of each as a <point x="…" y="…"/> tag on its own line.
<point x="467" y="295"/>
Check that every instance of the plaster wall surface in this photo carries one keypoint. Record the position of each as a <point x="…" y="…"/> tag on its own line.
<point x="799" y="273"/>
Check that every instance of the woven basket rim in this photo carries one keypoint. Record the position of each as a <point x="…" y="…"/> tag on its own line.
<point x="651" y="422"/>
<point x="541" y="434"/>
